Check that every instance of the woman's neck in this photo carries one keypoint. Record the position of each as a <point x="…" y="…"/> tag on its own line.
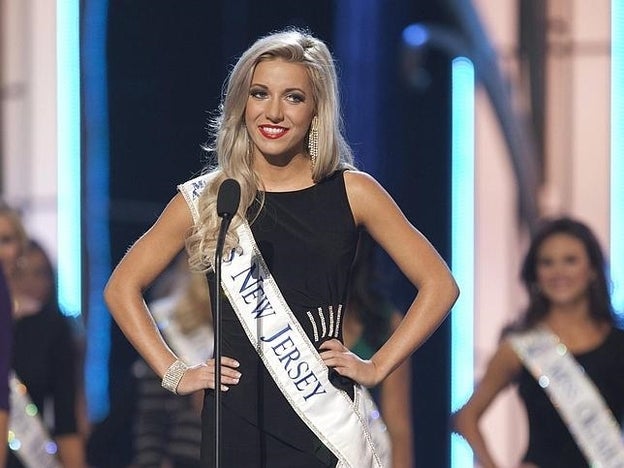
<point x="278" y="177"/>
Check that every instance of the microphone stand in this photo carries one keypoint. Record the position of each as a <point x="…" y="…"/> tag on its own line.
<point x="225" y="223"/>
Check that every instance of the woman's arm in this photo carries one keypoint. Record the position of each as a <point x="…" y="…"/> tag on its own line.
<point x="145" y="260"/>
<point x="375" y="210"/>
<point x="502" y="369"/>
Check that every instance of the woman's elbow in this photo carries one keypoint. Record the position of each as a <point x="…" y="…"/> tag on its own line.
<point x="113" y="292"/>
<point x="452" y="291"/>
<point x="110" y="291"/>
<point x="455" y="291"/>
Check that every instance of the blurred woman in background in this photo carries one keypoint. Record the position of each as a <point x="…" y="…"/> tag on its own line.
<point x="45" y="358"/>
<point x="565" y="355"/>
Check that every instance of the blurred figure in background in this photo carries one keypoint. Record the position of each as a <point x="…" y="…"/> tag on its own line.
<point x="167" y="431"/>
<point x="45" y="357"/>
<point x="564" y="354"/>
<point x="370" y="320"/>
<point x="12" y="241"/>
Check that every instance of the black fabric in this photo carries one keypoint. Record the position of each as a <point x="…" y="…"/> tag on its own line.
<point x="308" y="239"/>
<point x="550" y="443"/>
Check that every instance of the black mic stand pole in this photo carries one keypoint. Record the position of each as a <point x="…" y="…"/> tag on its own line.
<point x="225" y="222"/>
<point x="228" y="200"/>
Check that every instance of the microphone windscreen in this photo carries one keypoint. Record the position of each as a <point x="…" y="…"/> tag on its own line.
<point x="228" y="198"/>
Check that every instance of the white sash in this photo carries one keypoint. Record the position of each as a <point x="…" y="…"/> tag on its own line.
<point x="28" y="438"/>
<point x="292" y="360"/>
<point x="573" y="395"/>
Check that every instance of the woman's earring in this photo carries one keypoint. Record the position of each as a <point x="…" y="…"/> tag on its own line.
<point x="313" y="141"/>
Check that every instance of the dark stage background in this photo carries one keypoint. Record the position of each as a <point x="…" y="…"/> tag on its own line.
<point x="166" y="64"/>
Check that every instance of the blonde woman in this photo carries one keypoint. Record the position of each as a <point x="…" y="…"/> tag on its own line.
<point x="289" y="384"/>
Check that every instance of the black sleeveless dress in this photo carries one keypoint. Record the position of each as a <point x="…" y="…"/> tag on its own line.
<point x="550" y="443"/>
<point x="308" y="240"/>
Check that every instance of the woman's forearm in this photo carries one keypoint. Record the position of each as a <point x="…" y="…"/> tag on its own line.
<point x="133" y="318"/>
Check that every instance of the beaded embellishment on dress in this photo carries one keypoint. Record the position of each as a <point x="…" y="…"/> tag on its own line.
<point x="326" y="322"/>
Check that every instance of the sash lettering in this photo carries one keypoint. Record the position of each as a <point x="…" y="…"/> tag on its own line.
<point x="288" y="354"/>
<point x="253" y="291"/>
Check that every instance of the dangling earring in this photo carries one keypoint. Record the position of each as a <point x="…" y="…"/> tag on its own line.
<point x="313" y="141"/>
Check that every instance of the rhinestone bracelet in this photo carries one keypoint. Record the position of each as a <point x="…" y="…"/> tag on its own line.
<point x="173" y="375"/>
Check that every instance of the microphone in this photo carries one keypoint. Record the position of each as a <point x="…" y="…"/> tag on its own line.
<point x="228" y="200"/>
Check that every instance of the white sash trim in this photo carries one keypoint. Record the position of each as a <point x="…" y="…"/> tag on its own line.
<point x="573" y="395"/>
<point x="192" y="189"/>
<point x="377" y="427"/>
<point x="28" y="438"/>
<point x="292" y="360"/>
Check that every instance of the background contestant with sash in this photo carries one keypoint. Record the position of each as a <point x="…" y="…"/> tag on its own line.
<point x="568" y="323"/>
<point x="46" y="356"/>
<point x="43" y="356"/>
<point x="286" y="274"/>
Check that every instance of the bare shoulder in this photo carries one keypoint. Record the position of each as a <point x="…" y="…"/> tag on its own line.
<point x="179" y="209"/>
<point x="367" y="197"/>
<point x="173" y="224"/>
<point x="360" y="183"/>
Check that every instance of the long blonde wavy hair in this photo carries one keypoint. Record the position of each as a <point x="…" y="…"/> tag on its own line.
<point x="193" y="308"/>
<point x="232" y="146"/>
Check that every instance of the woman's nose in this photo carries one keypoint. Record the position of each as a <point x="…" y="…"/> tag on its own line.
<point x="274" y="111"/>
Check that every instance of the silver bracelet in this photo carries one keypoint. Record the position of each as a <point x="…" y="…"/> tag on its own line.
<point x="173" y="375"/>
